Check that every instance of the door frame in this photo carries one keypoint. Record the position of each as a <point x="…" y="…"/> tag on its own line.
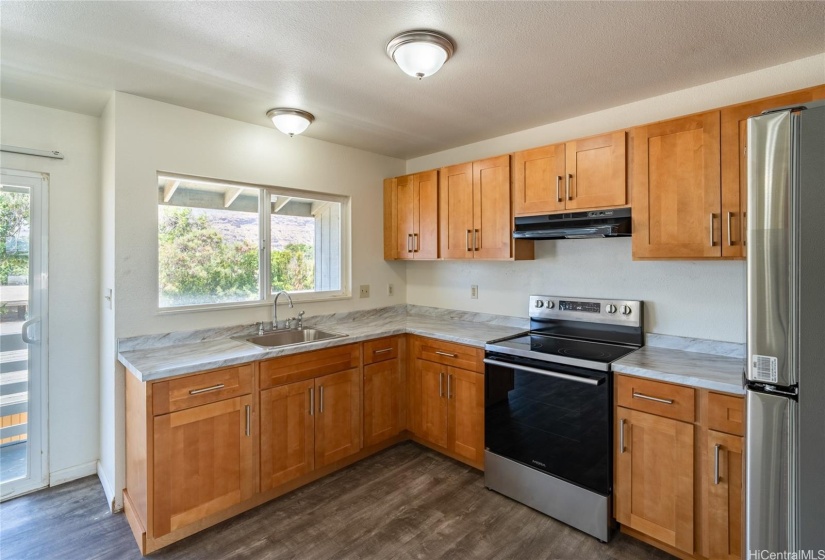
<point x="37" y="437"/>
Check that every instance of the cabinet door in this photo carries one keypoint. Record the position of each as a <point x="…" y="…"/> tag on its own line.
<point x="390" y="220"/>
<point x="382" y="395"/>
<point x="204" y="462"/>
<point x="465" y="393"/>
<point x="287" y="433"/>
<point x="425" y="236"/>
<point x="654" y="477"/>
<point x="432" y="401"/>
<point x="492" y="217"/>
<point x="405" y="203"/>
<point x="724" y="506"/>
<point x="456" y="204"/>
<point x="596" y="172"/>
<point x="538" y="176"/>
<point x="338" y="416"/>
<point x="734" y="159"/>
<point x="676" y="188"/>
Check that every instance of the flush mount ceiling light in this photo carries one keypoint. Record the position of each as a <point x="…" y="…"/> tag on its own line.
<point x="290" y="121"/>
<point x="420" y="53"/>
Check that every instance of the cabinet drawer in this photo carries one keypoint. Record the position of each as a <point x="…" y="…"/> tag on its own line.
<point x="306" y="365"/>
<point x="380" y="350"/>
<point x="450" y="354"/>
<point x="726" y="413"/>
<point x="655" y="397"/>
<point x="202" y="388"/>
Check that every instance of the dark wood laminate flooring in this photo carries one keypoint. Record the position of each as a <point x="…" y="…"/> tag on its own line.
<point x="404" y="503"/>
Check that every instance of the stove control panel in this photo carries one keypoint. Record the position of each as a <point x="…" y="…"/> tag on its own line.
<point x="614" y="312"/>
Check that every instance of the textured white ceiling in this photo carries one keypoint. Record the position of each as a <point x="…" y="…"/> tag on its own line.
<point x="517" y="64"/>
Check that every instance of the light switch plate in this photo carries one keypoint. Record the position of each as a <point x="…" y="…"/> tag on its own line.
<point x="474" y="291"/>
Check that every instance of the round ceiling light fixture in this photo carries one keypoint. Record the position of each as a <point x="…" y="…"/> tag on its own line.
<point x="290" y="121"/>
<point x="420" y="53"/>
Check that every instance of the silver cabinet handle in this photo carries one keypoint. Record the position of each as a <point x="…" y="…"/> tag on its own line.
<point x="730" y="241"/>
<point x="649" y="398"/>
<point x="416" y="246"/>
<point x="711" y="230"/>
<point x="546" y="372"/>
<point x="217" y="387"/>
<point x="449" y="385"/>
<point x="621" y="435"/>
<point x="476" y="236"/>
<point x="440" y="384"/>
<point x="382" y="351"/>
<point x="321" y="398"/>
<point x="558" y="187"/>
<point x="467" y="240"/>
<point x="440" y="353"/>
<point x="744" y="229"/>
<point x="311" y="401"/>
<point x="716" y="449"/>
<point x="248" y="420"/>
<point x="569" y="177"/>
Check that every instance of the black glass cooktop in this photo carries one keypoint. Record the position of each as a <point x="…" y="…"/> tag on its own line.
<point x="563" y="350"/>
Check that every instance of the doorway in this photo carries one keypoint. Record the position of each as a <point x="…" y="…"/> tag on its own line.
<point x="23" y="331"/>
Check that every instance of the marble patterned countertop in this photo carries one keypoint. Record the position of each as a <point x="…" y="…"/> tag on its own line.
<point x="697" y="369"/>
<point x="157" y="357"/>
<point x="695" y="362"/>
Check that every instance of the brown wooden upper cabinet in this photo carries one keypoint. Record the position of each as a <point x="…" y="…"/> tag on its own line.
<point x="411" y="216"/>
<point x="578" y="175"/>
<point x="734" y="160"/>
<point x="676" y="190"/>
<point x="475" y="216"/>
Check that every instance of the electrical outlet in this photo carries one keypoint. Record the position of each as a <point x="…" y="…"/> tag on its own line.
<point x="390" y="289"/>
<point x="365" y="290"/>
<point x="474" y="291"/>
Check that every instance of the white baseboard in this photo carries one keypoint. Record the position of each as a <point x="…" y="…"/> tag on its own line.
<point x="107" y="488"/>
<point x="72" y="473"/>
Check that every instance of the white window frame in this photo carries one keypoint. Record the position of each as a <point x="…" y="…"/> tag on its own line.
<point x="265" y="297"/>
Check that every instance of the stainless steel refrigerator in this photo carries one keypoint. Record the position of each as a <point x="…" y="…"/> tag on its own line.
<point x="785" y="374"/>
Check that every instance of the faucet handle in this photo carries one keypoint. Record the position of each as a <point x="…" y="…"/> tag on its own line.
<point x="301" y="320"/>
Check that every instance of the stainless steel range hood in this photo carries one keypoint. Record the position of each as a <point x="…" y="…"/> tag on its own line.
<point x="575" y="225"/>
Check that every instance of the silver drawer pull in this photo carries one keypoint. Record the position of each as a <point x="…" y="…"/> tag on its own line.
<point x="547" y="372"/>
<point x="621" y="435"/>
<point x="217" y="387"/>
<point x="649" y="398"/>
<point x="248" y="430"/>
<point x="440" y="353"/>
<point x="716" y="449"/>
<point x="382" y="351"/>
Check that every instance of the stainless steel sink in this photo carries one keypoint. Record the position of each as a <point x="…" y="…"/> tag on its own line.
<point x="290" y="337"/>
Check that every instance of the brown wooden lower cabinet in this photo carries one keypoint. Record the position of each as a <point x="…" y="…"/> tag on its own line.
<point x="724" y="506"/>
<point x="382" y="401"/>
<point x="287" y="433"/>
<point x="654" y="477"/>
<point x="679" y="470"/>
<point x="338" y="416"/>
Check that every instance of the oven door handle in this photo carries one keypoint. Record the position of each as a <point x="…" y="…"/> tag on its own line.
<point x="547" y="372"/>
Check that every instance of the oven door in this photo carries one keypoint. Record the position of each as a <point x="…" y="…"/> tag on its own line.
<point x="550" y="417"/>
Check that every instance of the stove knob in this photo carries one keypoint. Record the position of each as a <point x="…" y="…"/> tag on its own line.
<point x="626" y="310"/>
<point x="539" y="303"/>
<point x="611" y="308"/>
<point x="550" y="304"/>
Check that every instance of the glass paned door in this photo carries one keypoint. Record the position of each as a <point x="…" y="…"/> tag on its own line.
<point x="23" y="243"/>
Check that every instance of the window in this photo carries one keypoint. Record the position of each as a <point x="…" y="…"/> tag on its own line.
<point x="212" y="245"/>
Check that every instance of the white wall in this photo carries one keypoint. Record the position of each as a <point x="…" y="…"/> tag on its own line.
<point x="153" y="136"/>
<point x="687" y="298"/>
<point x="150" y="136"/>
<point x="73" y="274"/>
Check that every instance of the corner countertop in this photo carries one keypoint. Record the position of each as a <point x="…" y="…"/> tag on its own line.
<point x="173" y="359"/>
<point x="697" y="369"/>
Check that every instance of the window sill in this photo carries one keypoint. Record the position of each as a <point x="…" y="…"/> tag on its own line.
<point x="296" y="298"/>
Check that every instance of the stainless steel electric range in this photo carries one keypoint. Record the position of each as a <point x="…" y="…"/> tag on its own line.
<point x="548" y="408"/>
